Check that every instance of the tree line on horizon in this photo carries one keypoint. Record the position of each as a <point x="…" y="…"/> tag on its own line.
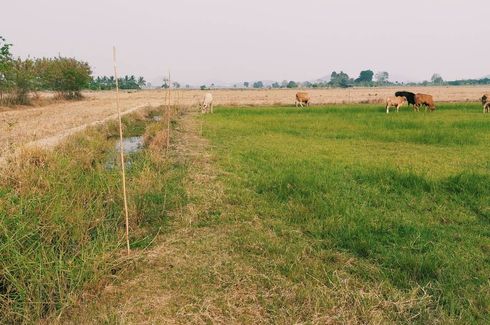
<point x="366" y="78"/>
<point x="109" y="83"/>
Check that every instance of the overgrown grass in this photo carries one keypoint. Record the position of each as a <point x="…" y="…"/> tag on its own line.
<point x="398" y="203"/>
<point x="61" y="225"/>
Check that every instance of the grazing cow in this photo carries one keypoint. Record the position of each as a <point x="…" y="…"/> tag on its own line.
<point x="485" y="101"/>
<point x="408" y="95"/>
<point x="395" y="102"/>
<point x="206" y="105"/>
<point x="302" y="97"/>
<point x="426" y="100"/>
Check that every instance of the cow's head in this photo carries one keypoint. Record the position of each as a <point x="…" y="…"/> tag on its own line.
<point x="203" y="107"/>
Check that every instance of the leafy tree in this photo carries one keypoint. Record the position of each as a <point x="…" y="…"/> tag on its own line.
<point x="246" y="84"/>
<point x="276" y="85"/>
<point x="366" y="76"/>
<point x="67" y="76"/>
<point x="437" y="79"/>
<point x="382" y="77"/>
<point x="203" y="87"/>
<point x="258" y="84"/>
<point x="284" y="84"/>
<point x="176" y="84"/>
<point x="292" y="84"/>
<point x="128" y="82"/>
<point x="340" y="79"/>
<point x="5" y="65"/>
<point x="23" y="77"/>
<point x="141" y="82"/>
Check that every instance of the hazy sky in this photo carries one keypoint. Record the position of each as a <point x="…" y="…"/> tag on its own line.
<point x="236" y="40"/>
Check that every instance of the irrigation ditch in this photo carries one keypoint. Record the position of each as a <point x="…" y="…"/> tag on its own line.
<point x="61" y="225"/>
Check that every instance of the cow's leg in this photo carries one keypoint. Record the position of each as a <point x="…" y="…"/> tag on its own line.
<point x="398" y="108"/>
<point x="387" y="109"/>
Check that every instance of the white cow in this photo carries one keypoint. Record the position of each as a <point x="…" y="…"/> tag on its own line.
<point x="206" y="105"/>
<point x="395" y="102"/>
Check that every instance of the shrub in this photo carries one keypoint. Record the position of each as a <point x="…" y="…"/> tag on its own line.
<point x="20" y="80"/>
<point x="67" y="76"/>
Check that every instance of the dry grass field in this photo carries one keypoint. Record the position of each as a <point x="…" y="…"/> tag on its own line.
<point x="24" y="125"/>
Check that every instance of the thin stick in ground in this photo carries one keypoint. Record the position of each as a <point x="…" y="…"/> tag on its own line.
<point x="168" y="111"/>
<point x="121" y="150"/>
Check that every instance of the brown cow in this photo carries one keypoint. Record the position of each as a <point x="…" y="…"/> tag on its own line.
<point x="395" y="102"/>
<point x="485" y="101"/>
<point x="426" y="100"/>
<point x="302" y="97"/>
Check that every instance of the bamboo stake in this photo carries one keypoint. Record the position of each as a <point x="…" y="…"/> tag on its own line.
<point x="168" y="111"/>
<point x="121" y="150"/>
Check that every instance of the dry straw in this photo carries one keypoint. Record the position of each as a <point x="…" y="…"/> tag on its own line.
<point x="121" y="150"/>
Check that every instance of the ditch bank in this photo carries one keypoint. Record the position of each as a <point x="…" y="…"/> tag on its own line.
<point x="61" y="224"/>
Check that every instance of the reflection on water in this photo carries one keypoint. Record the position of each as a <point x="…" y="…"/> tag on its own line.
<point x="131" y="144"/>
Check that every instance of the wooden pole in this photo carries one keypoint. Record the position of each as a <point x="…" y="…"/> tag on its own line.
<point x="168" y="111"/>
<point x="121" y="150"/>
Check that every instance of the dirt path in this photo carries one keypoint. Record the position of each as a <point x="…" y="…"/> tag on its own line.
<point x="49" y="124"/>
